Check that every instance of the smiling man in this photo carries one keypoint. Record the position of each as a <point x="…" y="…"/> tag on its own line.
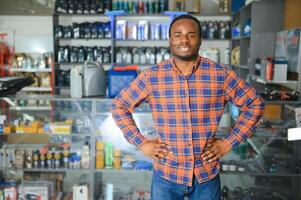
<point x="187" y="95"/>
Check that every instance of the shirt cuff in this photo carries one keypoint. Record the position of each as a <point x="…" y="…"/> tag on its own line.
<point x="232" y="140"/>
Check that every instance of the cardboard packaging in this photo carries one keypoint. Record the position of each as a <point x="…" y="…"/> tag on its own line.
<point x="80" y="192"/>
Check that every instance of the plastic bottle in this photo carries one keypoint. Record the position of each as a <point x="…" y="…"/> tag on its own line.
<point x="117" y="159"/>
<point x="85" y="156"/>
<point x="108" y="156"/>
<point x="100" y="155"/>
<point x="227" y="56"/>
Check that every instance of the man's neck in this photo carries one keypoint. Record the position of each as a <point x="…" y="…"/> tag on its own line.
<point x="186" y="67"/>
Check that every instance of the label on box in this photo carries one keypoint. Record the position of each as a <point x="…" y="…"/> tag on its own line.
<point x="80" y="192"/>
<point x="294" y="134"/>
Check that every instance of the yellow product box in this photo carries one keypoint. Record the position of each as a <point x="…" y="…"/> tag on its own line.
<point x="69" y="122"/>
<point x="20" y="129"/>
<point x="61" y="128"/>
<point x="99" y="164"/>
<point x="27" y="130"/>
<point x="272" y="112"/>
<point x="30" y="130"/>
<point x="9" y="129"/>
<point x="36" y="124"/>
<point x="41" y="131"/>
<point x="99" y="145"/>
<point x="99" y="153"/>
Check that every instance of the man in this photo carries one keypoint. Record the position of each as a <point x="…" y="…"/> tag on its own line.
<point x="187" y="95"/>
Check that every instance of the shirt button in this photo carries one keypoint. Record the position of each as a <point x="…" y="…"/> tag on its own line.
<point x="189" y="145"/>
<point x="191" y="159"/>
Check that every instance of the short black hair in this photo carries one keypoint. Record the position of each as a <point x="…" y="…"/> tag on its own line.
<point x="185" y="16"/>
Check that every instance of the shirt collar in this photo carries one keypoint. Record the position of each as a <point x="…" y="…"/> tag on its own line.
<point x="195" y="66"/>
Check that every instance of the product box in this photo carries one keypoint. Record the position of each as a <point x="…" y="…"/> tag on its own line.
<point x="60" y="128"/>
<point x="288" y="46"/>
<point x="41" y="190"/>
<point x="280" y="70"/>
<point x="1" y="194"/>
<point x="119" y="80"/>
<point x="236" y="5"/>
<point x="9" y="129"/>
<point x="292" y="111"/>
<point x="10" y="193"/>
<point x="121" y="26"/>
<point x="272" y="112"/>
<point x="80" y="192"/>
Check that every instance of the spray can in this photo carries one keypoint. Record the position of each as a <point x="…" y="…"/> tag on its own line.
<point x="269" y="68"/>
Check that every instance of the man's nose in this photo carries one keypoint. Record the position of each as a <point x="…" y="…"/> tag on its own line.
<point x="184" y="38"/>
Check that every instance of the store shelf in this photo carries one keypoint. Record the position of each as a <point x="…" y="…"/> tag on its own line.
<point x="86" y="42"/>
<point x="159" y="15"/>
<point x="245" y="37"/>
<point x="126" y="171"/>
<point x="49" y="134"/>
<point x="79" y="15"/>
<point x="289" y="84"/>
<point x="83" y="39"/>
<point x="37" y="89"/>
<point x="52" y="170"/>
<point x="31" y="108"/>
<point x="30" y="70"/>
<point x="67" y="66"/>
<point x="241" y="67"/>
<point x="236" y="38"/>
<point x="276" y="174"/>
<point x="246" y="173"/>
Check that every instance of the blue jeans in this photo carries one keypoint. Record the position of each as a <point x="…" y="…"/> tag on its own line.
<point x="162" y="189"/>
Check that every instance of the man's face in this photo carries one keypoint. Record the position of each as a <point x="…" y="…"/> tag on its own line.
<point x="185" y="39"/>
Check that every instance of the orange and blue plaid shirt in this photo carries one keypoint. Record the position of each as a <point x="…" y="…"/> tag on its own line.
<point x="186" y="112"/>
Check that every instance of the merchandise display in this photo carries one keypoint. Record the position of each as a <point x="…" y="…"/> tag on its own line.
<point x="83" y="30"/>
<point x="66" y="146"/>
<point x="73" y="54"/>
<point x="82" y="6"/>
<point x="216" y="29"/>
<point x="141" y="55"/>
<point x="141" y="7"/>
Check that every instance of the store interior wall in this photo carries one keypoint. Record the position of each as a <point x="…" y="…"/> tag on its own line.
<point x="27" y="7"/>
<point x="32" y="34"/>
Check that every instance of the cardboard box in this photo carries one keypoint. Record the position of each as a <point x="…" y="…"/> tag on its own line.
<point x="9" y="129"/>
<point x="272" y="112"/>
<point x="80" y="192"/>
<point x="10" y="193"/>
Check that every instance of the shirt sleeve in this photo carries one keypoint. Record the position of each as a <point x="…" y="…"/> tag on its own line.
<point x="124" y="105"/>
<point x="251" y="105"/>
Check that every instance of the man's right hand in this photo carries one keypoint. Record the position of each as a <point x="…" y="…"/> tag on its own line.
<point x="156" y="149"/>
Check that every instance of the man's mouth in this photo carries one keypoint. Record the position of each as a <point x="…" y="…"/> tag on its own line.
<point x="184" y="48"/>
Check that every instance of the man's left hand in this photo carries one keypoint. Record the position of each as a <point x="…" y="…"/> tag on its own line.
<point x="216" y="149"/>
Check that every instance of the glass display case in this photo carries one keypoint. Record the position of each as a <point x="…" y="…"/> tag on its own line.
<point x="46" y="146"/>
<point x="72" y="148"/>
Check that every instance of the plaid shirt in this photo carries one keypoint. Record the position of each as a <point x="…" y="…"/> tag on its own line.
<point x="186" y="112"/>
